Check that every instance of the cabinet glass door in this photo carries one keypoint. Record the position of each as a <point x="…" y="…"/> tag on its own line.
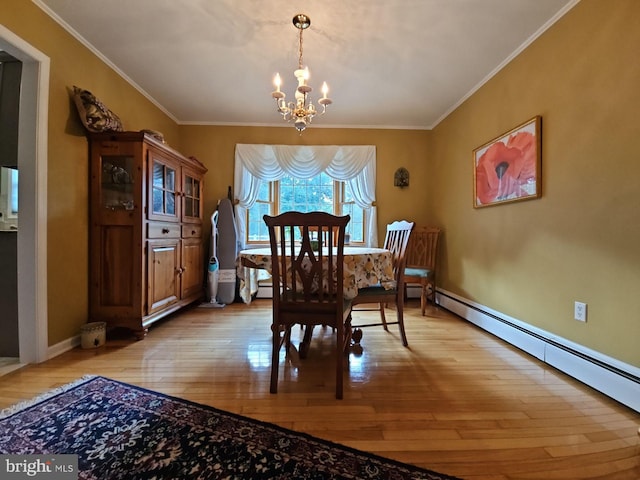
<point x="117" y="177"/>
<point x="163" y="190"/>
<point x="191" y="197"/>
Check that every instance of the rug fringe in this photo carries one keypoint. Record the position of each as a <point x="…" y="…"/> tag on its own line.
<point x="18" y="407"/>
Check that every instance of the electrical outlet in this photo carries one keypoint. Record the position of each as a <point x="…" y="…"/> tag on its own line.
<point x="580" y="311"/>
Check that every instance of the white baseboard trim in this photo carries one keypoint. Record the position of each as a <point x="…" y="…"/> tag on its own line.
<point x="609" y="376"/>
<point x="63" y="346"/>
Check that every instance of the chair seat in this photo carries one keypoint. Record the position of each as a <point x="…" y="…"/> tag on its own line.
<point x="375" y="290"/>
<point x="417" y="272"/>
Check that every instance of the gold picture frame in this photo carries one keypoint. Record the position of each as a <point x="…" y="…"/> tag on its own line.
<point x="508" y="168"/>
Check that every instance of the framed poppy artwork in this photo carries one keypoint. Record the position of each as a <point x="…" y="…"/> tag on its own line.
<point x="507" y="169"/>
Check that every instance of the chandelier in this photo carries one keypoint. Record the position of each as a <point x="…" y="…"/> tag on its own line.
<point x="302" y="110"/>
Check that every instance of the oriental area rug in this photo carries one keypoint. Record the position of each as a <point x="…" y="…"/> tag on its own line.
<point x="120" y="431"/>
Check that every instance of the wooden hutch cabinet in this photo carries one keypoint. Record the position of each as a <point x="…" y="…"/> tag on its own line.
<point x="146" y="246"/>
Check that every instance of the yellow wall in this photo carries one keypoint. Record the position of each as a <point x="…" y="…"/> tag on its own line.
<point x="581" y="240"/>
<point x="530" y="260"/>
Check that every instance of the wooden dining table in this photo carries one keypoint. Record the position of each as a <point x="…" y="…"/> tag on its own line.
<point x="363" y="267"/>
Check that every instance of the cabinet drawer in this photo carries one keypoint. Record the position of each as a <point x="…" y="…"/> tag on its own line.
<point x="191" y="231"/>
<point x="163" y="230"/>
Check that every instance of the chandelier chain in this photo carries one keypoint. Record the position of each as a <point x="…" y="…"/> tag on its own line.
<point x="300" y="50"/>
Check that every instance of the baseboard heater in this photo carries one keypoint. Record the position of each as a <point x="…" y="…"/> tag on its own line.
<point x="607" y="375"/>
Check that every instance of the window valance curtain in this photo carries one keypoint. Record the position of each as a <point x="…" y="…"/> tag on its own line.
<point x="353" y="164"/>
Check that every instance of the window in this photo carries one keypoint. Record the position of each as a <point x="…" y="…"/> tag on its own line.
<point x="320" y="193"/>
<point x="341" y="178"/>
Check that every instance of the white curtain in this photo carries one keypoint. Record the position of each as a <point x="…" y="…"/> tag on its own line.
<point x="354" y="164"/>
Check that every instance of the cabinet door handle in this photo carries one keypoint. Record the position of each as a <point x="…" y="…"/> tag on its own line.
<point x="193" y="232"/>
<point x="165" y="230"/>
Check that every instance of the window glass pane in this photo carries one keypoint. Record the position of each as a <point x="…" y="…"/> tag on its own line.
<point x="116" y="181"/>
<point x="158" y="174"/>
<point x="257" y="231"/>
<point x="307" y="195"/>
<point x="171" y="180"/>
<point x="356" y="225"/>
<point x="171" y="203"/>
<point x="256" y="228"/>
<point x="14" y="191"/>
<point x="157" y="200"/>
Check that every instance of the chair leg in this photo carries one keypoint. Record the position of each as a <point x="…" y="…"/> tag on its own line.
<point x="400" y="313"/>
<point x="287" y="341"/>
<point x="423" y="298"/>
<point x="348" y="334"/>
<point x="275" y="359"/>
<point x="339" y="379"/>
<point x="382" y="316"/>
<point x="303" y="349"/>
<point x="340" y="340"/>
<point x="432" y="285"/>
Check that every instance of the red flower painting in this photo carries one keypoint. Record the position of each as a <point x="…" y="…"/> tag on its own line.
<point x="508" y="168"/>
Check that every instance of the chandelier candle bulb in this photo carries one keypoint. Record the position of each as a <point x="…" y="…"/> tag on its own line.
<point x="278" y="95"/>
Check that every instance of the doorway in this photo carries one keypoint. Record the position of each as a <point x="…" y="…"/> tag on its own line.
<point x="32" y="231"/>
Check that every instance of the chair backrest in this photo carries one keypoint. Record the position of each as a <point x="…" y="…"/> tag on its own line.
<point x="396" y="240"/>
<point x="423" y="247"/>
<point x="310" y="277"/>
<point x="325" y="233"/>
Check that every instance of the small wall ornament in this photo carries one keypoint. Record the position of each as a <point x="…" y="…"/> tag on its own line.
<point x="401" y="178"/>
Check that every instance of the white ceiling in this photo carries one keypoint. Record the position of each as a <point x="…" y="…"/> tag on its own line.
<point x="388" y="63"/>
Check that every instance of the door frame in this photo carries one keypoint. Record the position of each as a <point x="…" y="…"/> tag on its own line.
<point x="32" y="197"/>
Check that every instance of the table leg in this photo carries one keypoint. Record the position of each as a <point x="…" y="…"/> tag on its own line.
<point x="356" y="336"/>
<point x="303" y="349"/>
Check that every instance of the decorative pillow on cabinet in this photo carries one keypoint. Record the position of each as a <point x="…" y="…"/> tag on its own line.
<point x="95" y="116"/>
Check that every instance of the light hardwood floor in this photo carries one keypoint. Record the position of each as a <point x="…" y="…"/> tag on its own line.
<point x="458" y="400"/>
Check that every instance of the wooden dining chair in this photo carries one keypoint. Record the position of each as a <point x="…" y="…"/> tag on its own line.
<point x="420" y="268"/>
<point x="308" y="284"/>
<point x="396" y="240"/>
<point x="325" y="234"/>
